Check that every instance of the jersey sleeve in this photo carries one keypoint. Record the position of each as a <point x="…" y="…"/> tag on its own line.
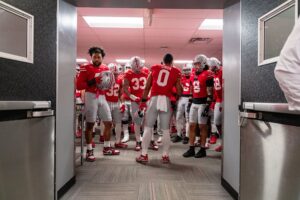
<point x="127" y="75"/>
<point x="81" y="83"/>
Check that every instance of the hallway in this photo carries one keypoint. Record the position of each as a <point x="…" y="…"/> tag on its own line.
<point x="121" y="177"/>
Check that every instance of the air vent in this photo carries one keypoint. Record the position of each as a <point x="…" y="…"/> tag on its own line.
<point x="163" y="47"/>
<point x="200" y="40"/>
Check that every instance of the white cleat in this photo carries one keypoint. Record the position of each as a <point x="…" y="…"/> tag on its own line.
<point x="159" y="139"/>
<point x="126" y="138"/>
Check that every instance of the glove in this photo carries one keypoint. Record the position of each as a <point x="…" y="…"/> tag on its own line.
<point x="122" y="108"/>
<point x="143" y="106"/>
<point x="94" y="81"/>
<point x="205" y="111"/>
<point x="91" y="82"/>
<point x="139" y="113"/>
<point x="135" y="98"/>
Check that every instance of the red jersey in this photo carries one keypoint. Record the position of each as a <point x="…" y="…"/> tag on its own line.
<point x="186" y="84"/>
<point x="174" y="94"/>
<point x="199" y="84"/>
<point x="164" y="79"/>
<point x="137" y="82"/>
<point x="88" y="72"/>
<point x="218" y="85"/>
<point x="146" y="70"/>
<point x="112" y="95"/>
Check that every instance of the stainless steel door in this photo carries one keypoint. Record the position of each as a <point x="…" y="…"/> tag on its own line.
<point x="27" y="159"/>
<point x="270" y="161"/>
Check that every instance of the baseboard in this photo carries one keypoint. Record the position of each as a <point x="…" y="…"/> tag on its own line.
<point x="66" y="187"/>
<point x="229" y="189"/>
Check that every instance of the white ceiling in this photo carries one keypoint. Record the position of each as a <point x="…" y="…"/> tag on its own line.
<point x="169" y="27"/>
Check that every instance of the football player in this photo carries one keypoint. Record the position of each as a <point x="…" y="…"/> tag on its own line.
<point x="95" y="102"/>
<point x="202" y="83"/>
<point x="216" y="68"/>
<point x="113" y="98"/>
<point x="182" y="108"/>
<point x="125" y="107"/>
<point x="133" y="86"/>
<point x="160" y="81"/>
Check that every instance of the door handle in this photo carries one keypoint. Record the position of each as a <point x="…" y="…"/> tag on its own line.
<point x="44" y="113"/>
<point x="248" y="115"/>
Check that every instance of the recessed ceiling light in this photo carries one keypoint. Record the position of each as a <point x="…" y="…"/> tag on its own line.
<point x="211" y="24"/>
<point x="182" y="61"/>
<point x="114" y="22"/>
<point x="126" y="60"/>
<point x="81" y="60"/>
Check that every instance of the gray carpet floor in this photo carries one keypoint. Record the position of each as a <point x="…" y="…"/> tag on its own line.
<point x="121" y="178"/>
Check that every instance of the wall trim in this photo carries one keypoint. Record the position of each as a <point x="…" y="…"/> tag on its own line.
<point x="66" y="187"/>
<point x="229" y="189"/>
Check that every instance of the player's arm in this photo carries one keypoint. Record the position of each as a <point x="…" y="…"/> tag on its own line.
<point x="125" y="87"/>
<point x="120" y="92"/>
<point x="81" y="83"/>
<point x="209" y="89"/>
<point x="147" y="88"/>
<point x="179" y="88"/>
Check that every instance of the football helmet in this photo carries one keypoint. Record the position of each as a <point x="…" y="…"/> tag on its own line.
<point x="120" y="69"/>
<point x="187" y="69"/>
<point x="127" y="66"/>
<point x="107" y="80"/>
<point x="113" y="67"/>
<point x="136" y="64"/>
<point x="199" y="62"/>
<point x="214" y="64"/>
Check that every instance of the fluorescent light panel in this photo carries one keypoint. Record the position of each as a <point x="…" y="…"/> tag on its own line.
<point x="211" y="24"/>
<point x="126" y="60"/>
<point x="114" y="22"/>
<point x="81" y="60"/>
<point x="182" y="61"/>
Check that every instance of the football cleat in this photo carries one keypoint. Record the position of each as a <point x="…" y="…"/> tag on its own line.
<point x="201" y="153"/>
<point x="109" y="151"/>
<point x="165" y="159"/>
<point x="176" y="139"/>
<point x="219" y="148"/>
<point x="90" y="156"/>
<point x="189" y="153"/>
<point x="185" y="140"/>
<point x="121" y="145"/>
<point x="153" y="146"/>
<point x="159" y="139"/>
<point x="138" y="146"/>
<point x="142" y="159"/>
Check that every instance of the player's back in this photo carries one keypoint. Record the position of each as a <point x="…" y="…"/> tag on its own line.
<point x="164" y="78"/>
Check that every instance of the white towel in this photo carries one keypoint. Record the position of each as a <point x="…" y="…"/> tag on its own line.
<point x="162" y="104"/>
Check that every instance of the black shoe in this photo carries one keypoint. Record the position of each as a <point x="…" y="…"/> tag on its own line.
<point x="176" y="139"/>
<point x="185" y="140"/>
<point x="189" y="153"/>
<point x="201" y="153"/>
